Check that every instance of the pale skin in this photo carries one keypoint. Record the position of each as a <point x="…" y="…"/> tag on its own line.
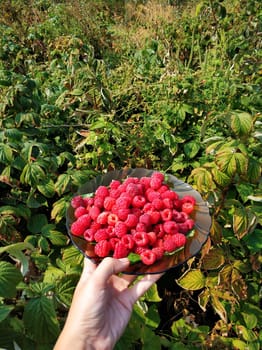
<point x="102" y="305"/>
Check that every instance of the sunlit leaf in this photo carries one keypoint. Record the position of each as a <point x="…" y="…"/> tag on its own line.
<point x="203" y="299"/>
<point x="202" y="179"/>
<point x="62" y="183"/>
<point x="192" y="280"/>
<point x="241" y="123"/>
<point x="214" y="259"/>
<point x="65" y="288"/>
<point x="152" y="294"/>
<point x="6" y="153"/>
<point x="218" y="307"/>
<point x="250" y="320"/>
<point x="47" y="188"/>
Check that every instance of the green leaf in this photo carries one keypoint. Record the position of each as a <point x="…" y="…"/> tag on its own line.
<point x="254" y="241"/>
<point x="202" y="179"/>
<point x="220" y="178"/>
<point x="55" y="237"/>
<point x="231" y="162"/>
<point x="65" y="288"/>
<point x="32" y="174"/>
<point x="47" y="188"/>
<point x="59" y="209"/>
<point x="192" y="280"/>
<point x="10" y="276"/>
<point x="214" y="259"/>
<point x="250" y="320"/>
<point x="6" y="154"/>
<point x="40" y="320"/>
<point x="72" y="256"/>
<point x="62" y="183"/>
<point x="191" y="148"/>
<point x="243" y="220"/>
<point x="241" y="123"/>
<point x="43" y="244"/>
<point x="239" y="344"/>
<point x="152" y="294"/>
<point x="5" y="311"/>
<point x="36" y="223"/>
<point x="253" y="170"/>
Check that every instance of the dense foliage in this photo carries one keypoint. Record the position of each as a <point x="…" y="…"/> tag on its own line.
<point x="89" y="86"/>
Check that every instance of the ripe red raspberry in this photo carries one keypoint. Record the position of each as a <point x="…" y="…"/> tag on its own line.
<point x="139" y="250"/>
<point x="155" y="183"/>
<point x="151" y="194"/>
<point x="77" y="228"/>
<point x="109" y="202"/>
<point x="77" y="201"/>
<point x="114" y="184"/>
<point x="131" y="220"/>
<point x="168" y="203"/>
<point x="112" y="219"/>
<point x="102" y="191"/>
<point x="187" y="207"/>
<point x="169" y="244"/>
<point x="188" y="199"/>
<point x="183" y="228"/>
<point x="169" y="194"/>
<point x="179" y="239"/>
<point x="89" y="234"/>
<point x="163" y="188"/>
<point x="159" y="252"/>
<point x="94" y="212"/>
<point x="190" y="223"/>
<point x="158" y="204"/>
<point x="154" y="217"/>
<point x="101" y="235"/>
<point x="95" y="225"/>
<point x="79" y="211"/>
<point x="141" y="239"/>
<point x="131" y="180"/>
<point x="148" y="257"/>
<point x="85" y="220"/>
<point x="138" y="201"/>
<point x="151" y="235"/>
<point x="132" y="190"/>
<point x="148" y="207"/>
<point x="166" y="214"/>
<point x="128" y="241"/>
<point x="170" y="227"/>
<point x="123" y="202"/>
<point x="140" y="227"/>
<point x="115" y="193"/>
<point x="136" y="211"/>
<point x="102" y="217"/>
<point x="180" y="216"/>
<point x="120" y="229"/>
<point x="145" y="219"/>
<point x="158" y="175"/>
<point x="102" y="248"/>
<point x="122" y="213"/>
<point x="99" y="201"/>
<point x="159" y="230"/>
<point x="120" y="251"/>
<point x="113" y="241"/>
<point x="145" y="181"/>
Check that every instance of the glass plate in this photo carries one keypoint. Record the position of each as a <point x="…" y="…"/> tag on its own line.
<point x="193" y="245"/>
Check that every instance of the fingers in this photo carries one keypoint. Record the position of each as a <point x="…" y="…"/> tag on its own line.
<point x="109" y="267"/>
<point x="142" y="286"/>
<point x="89" y="268"/>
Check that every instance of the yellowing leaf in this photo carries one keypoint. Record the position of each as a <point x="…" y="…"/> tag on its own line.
<point x="192" y="280"/>
<point x="218" y="307"/>
<point x="241" y="123"/>
<point x="214" y="259"/>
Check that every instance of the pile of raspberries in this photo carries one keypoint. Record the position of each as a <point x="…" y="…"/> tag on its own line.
<point x="142" y="216"/>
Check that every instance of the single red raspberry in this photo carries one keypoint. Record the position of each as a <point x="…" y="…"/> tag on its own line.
<point x="151" y="194"/>
<point x="145" y="219"/>
<point x="158" y="204"/>
<point x="188" y="199"/>
<point x="187" y="207"/>
<point x="115" y="193"/>
<point x="101" y="235"/>
<point x="109" y="202"/>
<point x="102" y="191"/>
<point x="140" y="227"/>
<point x="102" y="248"/>
<point x="128" y="241"/>
<point x="114" y="184"/>
<point x="170" y="227"/>
<point x="85" y="220"/>
<point x="148" y="257"/>
<point x="163" y="188"/>
<point x="120" y="229"/>
<point x="138" y="201"/>
<point x="95" y="225"/>
<point x="112" y="219"/>
<point x="136" y="211"/>
<point x="131" y="220"/>
<point x="133" y="190"/>
<point x="169" y="194"/>
<point x="89" y="235"/>
<point x="113" y="241"/>
<point x="179" y="239"/>
<point x="148" y="207"/>
<point x="159" y="230"/>
<point x="152" y="238"/>
<point x="180" y="216"/>
<point x="168" y="203"/>
<point x="79" y="211"/>
<point x="99" y="201"/>
<point x="166" y="214"/>
<point x="88" y="201"/>
<point x="169" y="244"/>
<point x="190" y="223"/>
<point x="155" y="183"/>
<point x="177" y="204"/>
<point x="183" y="228"/>
<point x="139" y="250"/>
<point x="123" y="202"/>
<point x="145" y="181"/>
<point x="120" y="251"/>
<point x="94" y="212"/>
<point x="102" y="217"/>
<point x="131" y="180"/>
<point x="77" y="201"/>
<point x="159" y="252"/>
<point x="154" y="217"/>
<point x="158" y="175"/>
<point x="122" y="213"/>
<point x="141" y="239"/>
<point x="77" y="228"/>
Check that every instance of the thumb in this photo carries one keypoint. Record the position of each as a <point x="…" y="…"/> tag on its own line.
<point x="109" y="267"/>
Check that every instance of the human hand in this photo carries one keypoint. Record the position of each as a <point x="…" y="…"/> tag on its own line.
<point x="102" y="305"/>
